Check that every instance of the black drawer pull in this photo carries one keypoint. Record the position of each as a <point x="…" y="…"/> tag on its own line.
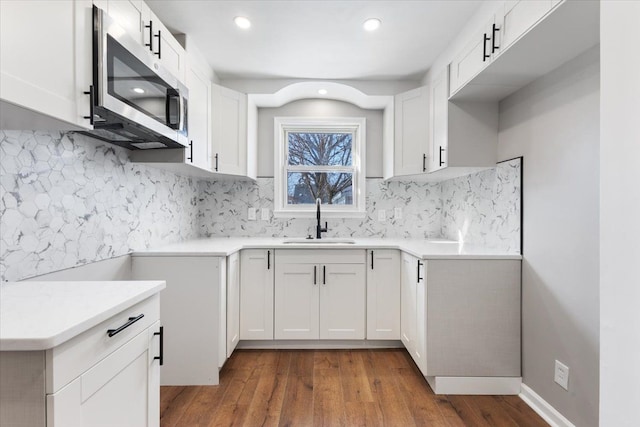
<point x="161" y="357"/>
<point x="484" y="48"/>
<point x="419" y="265"/>
<point x="131" y="321"/>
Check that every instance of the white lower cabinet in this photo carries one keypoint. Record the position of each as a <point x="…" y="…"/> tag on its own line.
<point x="194" y="330"/>
<point x="319" y="294"/>
<point x="97" y="378"/>
<point x="233" y="302"/>
<point x="256" y="294"/>
<point x="411" y="308"/>
<point x="114" y="392"/>
<point x="383" y="294"/>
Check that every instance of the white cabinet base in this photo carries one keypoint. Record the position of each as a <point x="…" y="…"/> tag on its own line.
<point x="318" y="344"/>
<point x="475" y="385"/>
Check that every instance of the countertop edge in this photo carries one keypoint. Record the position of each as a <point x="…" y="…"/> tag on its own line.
<point x="46" y="343"/>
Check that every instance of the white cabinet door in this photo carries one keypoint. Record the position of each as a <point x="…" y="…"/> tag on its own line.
<point x="114" y="392"/>
<point x="199" y="117"/>
<point x="256" y="294"/>
<point x="172" y="55"/>
<point x="383" y="294"/>
<point x="411" y="132"/>
<point x="297" y="301"/>
<point x="420" y="343"/>
<point x="438" y="143"/>
<point x="229" y="131"/>
<point x="408" y="319"/>
<point x="129" y="15"/>
<point x="45" y="59"/>
<point x="475" y="56"/>
<point x="342" y="301"/>
<point x="233" y="302"/>
<point x="519" y="16"/>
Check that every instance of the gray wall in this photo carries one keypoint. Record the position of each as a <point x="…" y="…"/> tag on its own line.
<point x="319" y="108"/>
<point x="554" y="124"/>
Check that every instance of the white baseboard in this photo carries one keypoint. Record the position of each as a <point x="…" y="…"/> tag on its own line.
<point x="475" y="385"/>
<point x="542" y="408"/>
<point x="318" y="344"/>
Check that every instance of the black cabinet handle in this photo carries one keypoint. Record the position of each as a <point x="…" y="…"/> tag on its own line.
<point x="161" y="356"/>
<point x="92" y="98"/>
<point x="315" y="274"/>
<point x="216" y="168"/>
<point x="131" y="321"/>
<point x="419" y="265"/>
<point x="150" y="44"/>
<point x="372" y="260"/>
<point x="441" y="150"/>
<point x="424" y="163"/>
<point x="268" y="260"/>
<point x="324" y="274"/>
<point x="190" y="158"/>
<point x="159" y="52"/>
<point x="484" y="48"/>
<point x="493" y="39"/>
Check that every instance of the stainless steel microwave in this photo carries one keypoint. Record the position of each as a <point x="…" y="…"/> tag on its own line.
<point x="135" y="102"/>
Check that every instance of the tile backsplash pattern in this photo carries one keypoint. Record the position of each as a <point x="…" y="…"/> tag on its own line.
<point x="67" y="200"/>
<point x="484" y="208"/>
<point x="224" y="207"/>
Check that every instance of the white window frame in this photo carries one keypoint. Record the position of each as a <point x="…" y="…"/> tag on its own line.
<point x="355" y="125"/>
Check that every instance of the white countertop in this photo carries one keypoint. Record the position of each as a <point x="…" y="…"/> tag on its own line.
<point x="42" y="315"/>
<point x="425" y="249"/>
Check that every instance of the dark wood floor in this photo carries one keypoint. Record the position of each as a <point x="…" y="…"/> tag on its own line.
<point x="332" y="388"/>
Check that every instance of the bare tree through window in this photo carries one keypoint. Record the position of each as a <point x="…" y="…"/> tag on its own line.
<point x="326" y="167"/>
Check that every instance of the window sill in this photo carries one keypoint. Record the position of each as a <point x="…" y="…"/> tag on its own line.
<point x="312" y="214"/>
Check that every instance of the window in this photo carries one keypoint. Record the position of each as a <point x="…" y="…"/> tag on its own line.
<point x="319" y="159"/>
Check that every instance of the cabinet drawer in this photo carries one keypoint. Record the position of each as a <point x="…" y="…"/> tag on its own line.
<point x="70" y="359"/>
<point x="321" y="256"/>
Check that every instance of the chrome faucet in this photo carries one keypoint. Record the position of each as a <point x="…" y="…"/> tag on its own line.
<point x="319" y="229"/>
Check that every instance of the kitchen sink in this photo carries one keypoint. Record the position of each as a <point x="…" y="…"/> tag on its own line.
<point x="331" y="240"/>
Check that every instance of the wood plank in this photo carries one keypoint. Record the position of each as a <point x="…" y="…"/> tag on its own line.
<point x="355" y="383"/>
<point x="520" y="412"/>
<point x="418" y="397"/>
<point x="328" y="402"/>
<point x="490" y="410"/>
<point x="468" y="416"/>
<point x="298" y="409"/>
<point x="203" y="407"/>
<point x="364" y="414"/>
<point x="266" y="406"/>
<point x="179" y="405"/>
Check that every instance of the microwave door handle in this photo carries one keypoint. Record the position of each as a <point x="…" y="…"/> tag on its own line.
<point x="172" y="94"/>
<point x="181" y="112"/>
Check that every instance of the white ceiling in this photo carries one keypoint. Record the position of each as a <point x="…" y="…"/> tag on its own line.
<point x="318" y="39"/>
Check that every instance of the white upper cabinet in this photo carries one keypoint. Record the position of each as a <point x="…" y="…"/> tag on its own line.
<point x="45" y="62"/>
<point x="198" y="154"/>
<point x="439" y="122"/>
<point x="164" y="45"/>
<point x="519" y="16"/>
<point x="411" y="132"/>
<point x="229" y="127"/>
<point x="524" y="40"/>
<point x="128" y="14"/>
<point x="476" y="55"/>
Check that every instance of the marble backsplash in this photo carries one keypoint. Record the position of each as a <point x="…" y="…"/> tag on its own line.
<point x="482" y="208"/>
<point x="224" y="204"/>
<point x="67" y="200"/>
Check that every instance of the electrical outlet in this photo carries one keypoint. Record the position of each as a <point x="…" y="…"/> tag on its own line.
<point x="264" y="214"/>
<point x="251" y="214"/>
<point x="397" y="213"/>
<point x="561" y="376"/>
<point x="382" y="215"/>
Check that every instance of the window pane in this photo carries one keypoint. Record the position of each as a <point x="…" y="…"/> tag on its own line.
<point x="319" y="149"/>
<point x="333" y="188"/>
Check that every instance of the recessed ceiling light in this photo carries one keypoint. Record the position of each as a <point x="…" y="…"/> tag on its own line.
<point x="138" y="90"/>
<point x="242" y="22"/>
<point x="322" y="91"/>
<point x="372" y="24"/>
